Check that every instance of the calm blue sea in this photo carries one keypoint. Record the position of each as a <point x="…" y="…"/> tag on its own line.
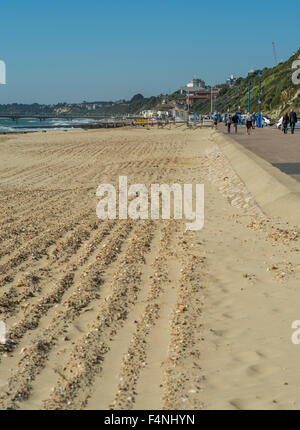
<point x="8" y="125"/>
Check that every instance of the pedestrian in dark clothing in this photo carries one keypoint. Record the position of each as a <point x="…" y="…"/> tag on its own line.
<point x="248" y="123"/>
<point x="216" y="122"/>
<point x="285" y="122"/>
<point x="293" y="120"/>
<point x="228" y="123"/>
<point x="235" y="120"/>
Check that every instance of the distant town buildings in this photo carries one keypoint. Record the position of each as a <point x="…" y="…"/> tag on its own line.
<point x="231" y="81"/>
<point x="196" y="90"/>
<point x="251" y="72"/>
<point x="148" y="114"/>
<point x="193" y="86"/>
<point x="190" y="94"/>
<point x="89" y="106"/>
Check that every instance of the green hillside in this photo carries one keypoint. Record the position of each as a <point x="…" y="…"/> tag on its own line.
<point x="278" y="93"/>
<point x="132" y="106"/>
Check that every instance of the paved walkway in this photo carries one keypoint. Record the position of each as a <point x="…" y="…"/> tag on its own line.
<point x="283" y="151"/>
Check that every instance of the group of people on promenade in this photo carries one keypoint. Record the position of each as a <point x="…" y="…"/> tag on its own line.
<point x="289" y="119"/>
<point x="235" y="120"/>
<point x="250" y="121"/>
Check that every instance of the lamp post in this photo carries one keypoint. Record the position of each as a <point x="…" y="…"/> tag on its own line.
<point x="259" y="100"/>
<point x="228" y="102"/>
<point x="239" y="105"/>
<point x="249" y="101"/>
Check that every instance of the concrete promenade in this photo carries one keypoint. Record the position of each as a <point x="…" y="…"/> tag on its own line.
<point x="282" y="151"/>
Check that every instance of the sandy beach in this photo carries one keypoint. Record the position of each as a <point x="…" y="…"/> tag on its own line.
<point x="141" y="314"/>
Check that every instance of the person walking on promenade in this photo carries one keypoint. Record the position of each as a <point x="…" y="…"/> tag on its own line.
<point x="285" y="122"/>
<point x="228" y="123"/>
<point x="254" y="119"/>
<point x="248" y="123"/>
<point x="293" y="120"/>
<point x="216" y="121"/>
<point x="235" y="120"/>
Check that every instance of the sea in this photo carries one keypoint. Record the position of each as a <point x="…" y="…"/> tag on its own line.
<point x="8" y="125"/>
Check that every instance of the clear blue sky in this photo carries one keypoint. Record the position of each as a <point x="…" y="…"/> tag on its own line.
<point x="71" y="50"/>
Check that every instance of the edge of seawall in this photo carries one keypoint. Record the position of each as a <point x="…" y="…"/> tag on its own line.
<point x="276" y="193"/>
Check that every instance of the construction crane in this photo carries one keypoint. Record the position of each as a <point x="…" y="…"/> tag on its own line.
<point x="274" y="53"/>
